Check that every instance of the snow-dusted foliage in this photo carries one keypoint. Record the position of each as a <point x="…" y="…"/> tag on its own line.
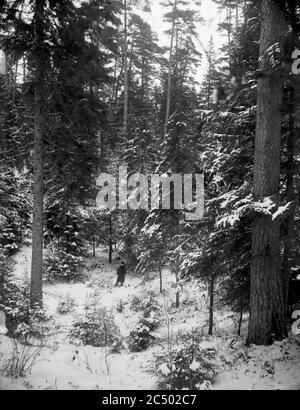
<point x="149" y="313"/>
<point x="15" y="205"/>
<point x="187" y="366"/>
<point x="64" y="266"/>
<point x="96" y="328"/>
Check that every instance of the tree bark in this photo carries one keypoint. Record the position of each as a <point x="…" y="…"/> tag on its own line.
<point x="160" y="278"/>
<point x="237" y="15"/>
<point x="177" y="277"/>
<point x="229" y="22"/>
<point x="211" y="304"/>
<point x="267" y="313"/>
<point x="241" y="317"/>
<point x="125" y="119"/>
<point x="288" y="240"/>
<point x="3" y="73"/>
<point x="110" y="248"/>
<point x="170" y="71"/>
<point x="37" y="224"/>
<point x="94" y="246"/>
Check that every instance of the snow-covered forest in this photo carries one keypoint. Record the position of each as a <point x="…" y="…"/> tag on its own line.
<point x="196" y="290"/>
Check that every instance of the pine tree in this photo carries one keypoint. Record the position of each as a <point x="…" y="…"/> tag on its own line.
<point x="40" y="59"/>
<point x="212" y="76"/>
<point x="182" y="51"/>
<point x="57" y="55"/>
<point x="267" y="311"/>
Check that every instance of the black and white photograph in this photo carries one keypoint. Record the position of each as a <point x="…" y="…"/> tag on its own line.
<point x="149" y="197"/>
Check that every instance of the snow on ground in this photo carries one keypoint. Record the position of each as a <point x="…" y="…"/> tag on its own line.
<point x="63" y="365"/>
<point x="275" y="367"/>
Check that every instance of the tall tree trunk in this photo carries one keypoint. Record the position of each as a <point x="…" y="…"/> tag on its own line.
<point x="287" y="253"/>
<point x="177" y="277"/>
<point x="229" y="22"/>
<point x="110" y="247"/>
<point x="21" y="231"/>
<point x="125" y="118"/>
<point x="3" y="72"/>
<point x="116" y="93"/>
<point x="209" y="90"/>
<point x="237" y="15"/>
<point x="113" y="88"/>
<point x="94" y="246"/>
<point x="170" y="71"/>
<point x="211" y="304"/>
<point x="267" y="313"/>
<point x="37" y="223"/>
<point x="160" y="278"/>
<point x="241" y="316"/>
<point x="143" y="78"/>
<point x="68" y="234"/>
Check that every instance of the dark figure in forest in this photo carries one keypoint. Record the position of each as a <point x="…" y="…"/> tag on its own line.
<point x="121" y="274"/>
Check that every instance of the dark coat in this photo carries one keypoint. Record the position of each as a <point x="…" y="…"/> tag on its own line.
<point x="121" y="273"/>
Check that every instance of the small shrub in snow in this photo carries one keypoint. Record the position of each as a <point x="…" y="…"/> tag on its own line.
<point x="5" y="276"/>
<point x="141" y="336"/>
<point x="118" y="345"/>
<point x="25" y="352"/>
<point x="21" y="359"/>
<point x="188" y="367"/>
<point x="120" y="306"/>
<point x="97" y="328"/>
<point x="65" y="305"/>
<point x="10" y="238"/>
<point x="151" y="322"/>
<point x="64" y="266"/>
<point x="18" y="311"/>
<point x="145" y="305"/>
<point x="135" y="303"/>
<point x="269" y="367"/>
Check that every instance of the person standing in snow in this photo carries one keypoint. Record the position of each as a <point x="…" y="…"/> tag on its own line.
<point x="121" y="271"/>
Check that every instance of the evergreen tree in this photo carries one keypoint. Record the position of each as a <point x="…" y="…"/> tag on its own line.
<point x="267" y="312"/>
